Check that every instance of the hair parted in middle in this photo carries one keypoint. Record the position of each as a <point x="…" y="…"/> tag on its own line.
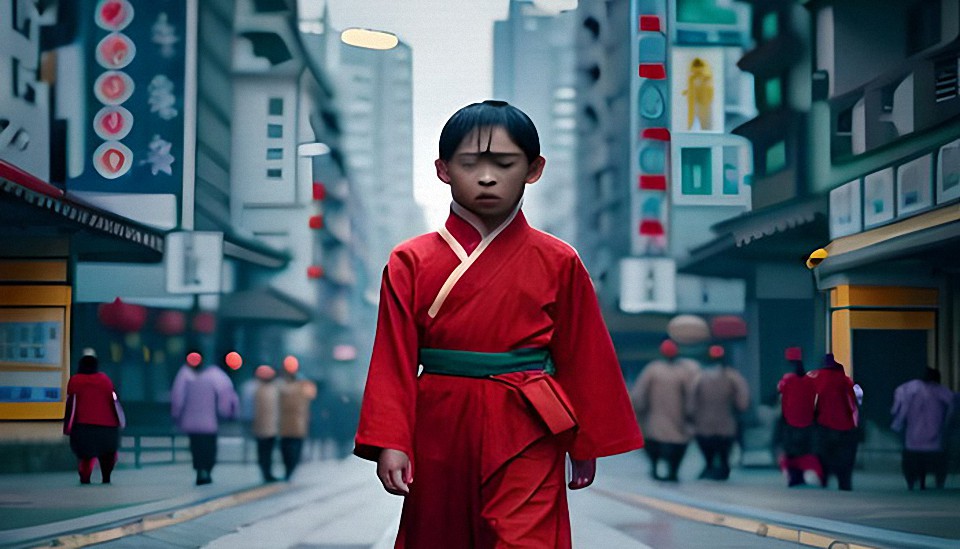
<point x="490" y="113"/>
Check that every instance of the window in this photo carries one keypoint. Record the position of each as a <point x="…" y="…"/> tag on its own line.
<point x="776" y="157"/>
<point x="274" y="173"/>
<point x="274" y="154"/>
<point x="274" y="130"/>
<point x="770" y="26"/>
<point x="773" y="93"/>
<point x="731" y="171"/>
<point x="275" y="106"/>
<point x="696" y="171"/>
<point x="945" y="71"/>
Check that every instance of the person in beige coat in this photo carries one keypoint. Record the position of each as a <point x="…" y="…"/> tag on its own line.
<point x="660" y="399"/>
<point x="719" y="394"/>
<point x="295" y="396"/>
<point x="266" y="419"/>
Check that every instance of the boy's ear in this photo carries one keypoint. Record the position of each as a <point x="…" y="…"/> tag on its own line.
<point x="535" y="170"/>
<point x="442" y="172"/>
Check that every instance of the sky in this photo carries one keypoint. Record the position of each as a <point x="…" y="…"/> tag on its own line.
<point x="452" y="45"/>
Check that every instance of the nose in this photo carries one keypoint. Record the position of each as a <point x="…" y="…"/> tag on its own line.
<point x="487" y="182"/>
<point x="486" y="177"/>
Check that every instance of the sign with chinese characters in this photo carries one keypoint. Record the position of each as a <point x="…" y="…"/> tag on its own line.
<point x="134" y="98"/>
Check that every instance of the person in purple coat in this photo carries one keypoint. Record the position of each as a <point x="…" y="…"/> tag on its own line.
<point x="201" y="396"/>
<point x="920" y="410"/>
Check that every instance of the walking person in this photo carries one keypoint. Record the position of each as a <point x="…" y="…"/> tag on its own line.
<point x="266" y="418"/>
<point x="837" y="418"/>
<point x="660" y="397"/>
<point x="295" y="394"/>
<point x="720" y="394"/>
<point x="92" y="420"/>
<point x="202" y="394"/>
<point x="920" y="411"/>
<point x="505" y="323"/>
<point x="798" y="397"/>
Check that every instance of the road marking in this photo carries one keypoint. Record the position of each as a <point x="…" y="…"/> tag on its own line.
<point x="162" y="520"/>
<point x="759" y="528"/>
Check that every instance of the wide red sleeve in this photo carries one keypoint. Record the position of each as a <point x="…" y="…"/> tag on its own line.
<point x="588" y="370"/>
<point x="387" y="413"/>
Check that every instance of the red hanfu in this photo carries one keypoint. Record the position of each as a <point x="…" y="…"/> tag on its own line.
<point x="486" y="469"/>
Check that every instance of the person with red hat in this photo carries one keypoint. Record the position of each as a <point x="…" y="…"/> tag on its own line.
<point x="795" y="431"/>
<point x="295" y="396"/>
<point x="660" y="400"/>
<point x="837" y="418"/>
<point x="719" y="395"/>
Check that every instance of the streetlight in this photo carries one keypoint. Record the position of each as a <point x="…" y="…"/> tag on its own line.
<point x="368" y="38"/>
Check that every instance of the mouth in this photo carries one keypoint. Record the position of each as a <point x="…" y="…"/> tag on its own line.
<point x="487" y="198"/>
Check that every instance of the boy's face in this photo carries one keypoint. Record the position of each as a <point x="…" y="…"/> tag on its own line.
<point x="488" y="173"/>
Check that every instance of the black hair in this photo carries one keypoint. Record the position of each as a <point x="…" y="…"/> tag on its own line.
<point x="490" y="113"/>
<point x="931" y="375"/>
<point x="798" y="367"/>
<point x="88" y="365"/>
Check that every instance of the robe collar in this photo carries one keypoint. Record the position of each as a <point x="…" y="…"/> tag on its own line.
<point x="468" y="231"/>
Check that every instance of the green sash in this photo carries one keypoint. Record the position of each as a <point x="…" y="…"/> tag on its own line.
<point x="473" y="364"/>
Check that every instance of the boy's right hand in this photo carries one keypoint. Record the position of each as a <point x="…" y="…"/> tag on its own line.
<point x="395" y="472"/>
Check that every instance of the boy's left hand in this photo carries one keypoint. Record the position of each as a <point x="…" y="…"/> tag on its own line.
<point x="582" y="472"/>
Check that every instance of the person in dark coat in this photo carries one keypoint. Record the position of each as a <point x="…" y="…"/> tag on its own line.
<point x="91" y="420"/>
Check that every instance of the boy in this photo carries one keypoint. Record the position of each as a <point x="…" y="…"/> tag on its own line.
<point x="518" y="367"/>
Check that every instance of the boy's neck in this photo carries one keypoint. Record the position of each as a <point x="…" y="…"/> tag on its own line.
<point x="483" y="226"/>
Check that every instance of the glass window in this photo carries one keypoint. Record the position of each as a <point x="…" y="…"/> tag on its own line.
<point x="274" y="130"/>
<point x="274" y="173"/>
<point x="773" y="93"/>
<point x="770" y="26"/>
<point x="696" y="171"/>
<point x="731" y="171"/>
<point x="274" y="154"/>
<point x="776" y="157"/>
<point x="275" y="106"/>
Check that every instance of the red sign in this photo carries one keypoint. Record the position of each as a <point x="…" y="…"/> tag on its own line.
<point x="115" y="51"/>
<point x="113" y="87"/>
<point x="112" y="159"/>
<point x="112" y="123"/>
<point x="114" y="15"/>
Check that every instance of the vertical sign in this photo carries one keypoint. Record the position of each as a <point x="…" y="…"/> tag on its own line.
<point x="135" y="66"/>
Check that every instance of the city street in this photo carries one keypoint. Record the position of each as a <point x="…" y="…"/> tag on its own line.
<point x="339" y="504"/>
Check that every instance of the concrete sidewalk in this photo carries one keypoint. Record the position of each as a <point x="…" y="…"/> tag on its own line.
<point x="37" y="508"/>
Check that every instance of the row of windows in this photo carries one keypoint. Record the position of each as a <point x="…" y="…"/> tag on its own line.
<point x="274" y="131"/>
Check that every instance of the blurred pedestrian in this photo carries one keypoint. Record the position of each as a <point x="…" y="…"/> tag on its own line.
<point x="295" y="396"/>
<point x="92" y="420"/>
<point x="202" y="394"/>
<point x="837" y="418"/>
<point x="720" y="394"/>
<point x="266" y="418"/>
<point x="660" y="397"/>
<point x="920" y="411"/>
<point x="798" y="397"/>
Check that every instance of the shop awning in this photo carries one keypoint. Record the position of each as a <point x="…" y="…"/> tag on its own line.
<point x="933" y="236"/>
<point x="264" y="305"/>
<point x="19" y="188"/>
<point x="786" y="232"/>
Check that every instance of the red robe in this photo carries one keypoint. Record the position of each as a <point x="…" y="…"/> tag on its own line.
<point x="519" y="288"/>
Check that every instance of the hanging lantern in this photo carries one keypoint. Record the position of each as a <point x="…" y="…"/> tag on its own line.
<point x="728" y="327"/>
<point x="316" y="221"/>
<point x="319" y="190"/>
<point x="170" y="323"/>
<point x="125" y="317"/>
<point x="314" y="271"/>
<point x="204" y="322"/>
<point x="688" y="329"/>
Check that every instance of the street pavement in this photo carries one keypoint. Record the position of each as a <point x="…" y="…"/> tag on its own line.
<point x="339" y="503"/>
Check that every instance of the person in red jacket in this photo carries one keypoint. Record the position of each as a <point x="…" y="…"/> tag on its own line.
<point x="518" y="368"/>
<point x="91" y="420"/>
<point x="798" y="397"/>
<point x="837" y="417"/>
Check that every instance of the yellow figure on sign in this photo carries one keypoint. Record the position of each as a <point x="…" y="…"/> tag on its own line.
<point x="699" y="94"/>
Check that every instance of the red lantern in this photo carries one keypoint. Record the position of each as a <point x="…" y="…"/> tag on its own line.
<point x="314" y="271"/>
<point x="121" y="316"/>
<point x="319" y="190"/>
<point x="316" y="221"/>
<point x="728" y="327"/>
<point x="204" y="322"/>
<point x="171" y="323"/>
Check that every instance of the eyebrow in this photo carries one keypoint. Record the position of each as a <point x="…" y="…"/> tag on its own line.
<point x="491" y="153"/>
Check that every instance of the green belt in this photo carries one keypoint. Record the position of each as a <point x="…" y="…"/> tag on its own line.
<point x="473" y="364"/>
